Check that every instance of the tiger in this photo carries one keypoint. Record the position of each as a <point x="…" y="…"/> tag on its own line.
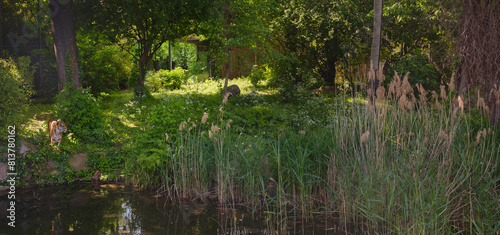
<point x="56" y="130"/>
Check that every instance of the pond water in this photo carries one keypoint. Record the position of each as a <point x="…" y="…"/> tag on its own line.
<point x="117" y="209"/>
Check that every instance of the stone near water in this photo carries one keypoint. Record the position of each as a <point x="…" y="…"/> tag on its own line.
<point x="78" y="161"/>
<point x="26" y="147"/>
<point x="49" y="165"/>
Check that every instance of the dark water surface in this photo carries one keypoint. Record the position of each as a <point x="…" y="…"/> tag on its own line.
<point x="116" y="209"/>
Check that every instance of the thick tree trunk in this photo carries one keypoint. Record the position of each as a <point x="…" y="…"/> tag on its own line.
<point x="479" y="71"/>
<point x="377" y="30"/>
<point x="65" y="47"/>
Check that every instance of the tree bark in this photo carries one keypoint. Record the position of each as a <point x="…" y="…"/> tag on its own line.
<point x="479" y="71"/>
<point x="65" y="47"/>
<point x="375" y="54"/>
<point x="227" y="20"/>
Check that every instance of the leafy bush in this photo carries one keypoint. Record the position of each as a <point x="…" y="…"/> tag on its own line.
<point x="258" y="119"/>
<point x="110" y="163"/>
<point x="421" y="71"/>
<point x="259" y="74"/>
<point x="167" y="79"/>
<point x="141" y="92"/>
<point x="80" y="111"/>
<point x="291" y="77"/>
<point x="16" y="88"/>
<point x="105" y="69"/>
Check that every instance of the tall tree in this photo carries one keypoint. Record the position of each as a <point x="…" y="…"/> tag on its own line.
<point x="64" y="42"/>
<point x="144" y="25"/>
<point x="377" y="30"/>
<point x="313" y="36"/>
<point x="479" y="71"/>
<point x="236" y="24"/>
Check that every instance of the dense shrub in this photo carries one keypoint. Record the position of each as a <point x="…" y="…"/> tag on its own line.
<point x="258" y="119"/>
<point x="259" y="74"/>
<point x="141" y="92"/>
<point x="105" y="69"/>
<point x="421" y="71"/>
<point x="291" y="77"/>
<point x="80" y="111"/>
<point x="16" y="88"/>
<point x="167" y="79"/>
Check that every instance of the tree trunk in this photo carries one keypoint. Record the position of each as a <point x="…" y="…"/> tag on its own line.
<point x="170" y="55"/>
<point x="227" y="20"/>
<point x="377" y="30"/>
<point x="146" y="56"/>
<point x="65" y="47"/>
<point x="479" y="71"/>
<point x="228" y="68"/>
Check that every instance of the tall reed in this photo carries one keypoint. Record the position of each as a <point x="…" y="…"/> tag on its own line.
<point x="410" y="162"/>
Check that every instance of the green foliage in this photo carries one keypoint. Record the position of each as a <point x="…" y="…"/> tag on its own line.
<point x="146" y="25"/>
<point x="16" y="89"/>
<point x="110" y="163"/>
<point x="104" y="68"/>
<point x="259" y="74"/>
<point x="141" y="92"/>
<point x="312" y="37"/>
<point x="183" y="54"/>
<point x="258" y="119"/>
<point x="421" y="71"/>
<point x="167" y="79"/>
<point x="80" y="111"/>
<point x="168" y="116"/>
<point x="46" y="165"/>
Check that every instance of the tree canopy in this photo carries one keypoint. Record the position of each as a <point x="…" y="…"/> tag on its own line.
<point x="141" y="27"/>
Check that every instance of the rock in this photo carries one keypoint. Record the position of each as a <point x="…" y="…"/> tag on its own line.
<point x="26" y="147"/>
<point x="4" y="188"/>
<point x="234" y="90"/>
<point x="49" y="165"/>
<point x="96" y="176"/>
<point x="3" y="170"/>
<point x="78" y="161"/>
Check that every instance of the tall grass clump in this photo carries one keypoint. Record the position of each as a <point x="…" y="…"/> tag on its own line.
<point x="412" y="161"/>
<point x="415" y="166"/>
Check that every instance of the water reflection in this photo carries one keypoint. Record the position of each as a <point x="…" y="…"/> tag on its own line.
<point x="117" y="209"/>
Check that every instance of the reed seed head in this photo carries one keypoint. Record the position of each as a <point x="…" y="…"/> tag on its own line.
<point x="182" y="126"/>
<point x="451" y="85"/>
<point x="443" y="92"/>
<point x="405" y="85"/>
<point x="460" y="103"/>
<point x="365" y="136"/>
<point x="215" y="128"/>
<point x="442" y="135"/>
<point x="204" y="118"/>
<point x="380" y="94"/>
<point x="423" y="93"/>
<point x="480" y="103"/>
